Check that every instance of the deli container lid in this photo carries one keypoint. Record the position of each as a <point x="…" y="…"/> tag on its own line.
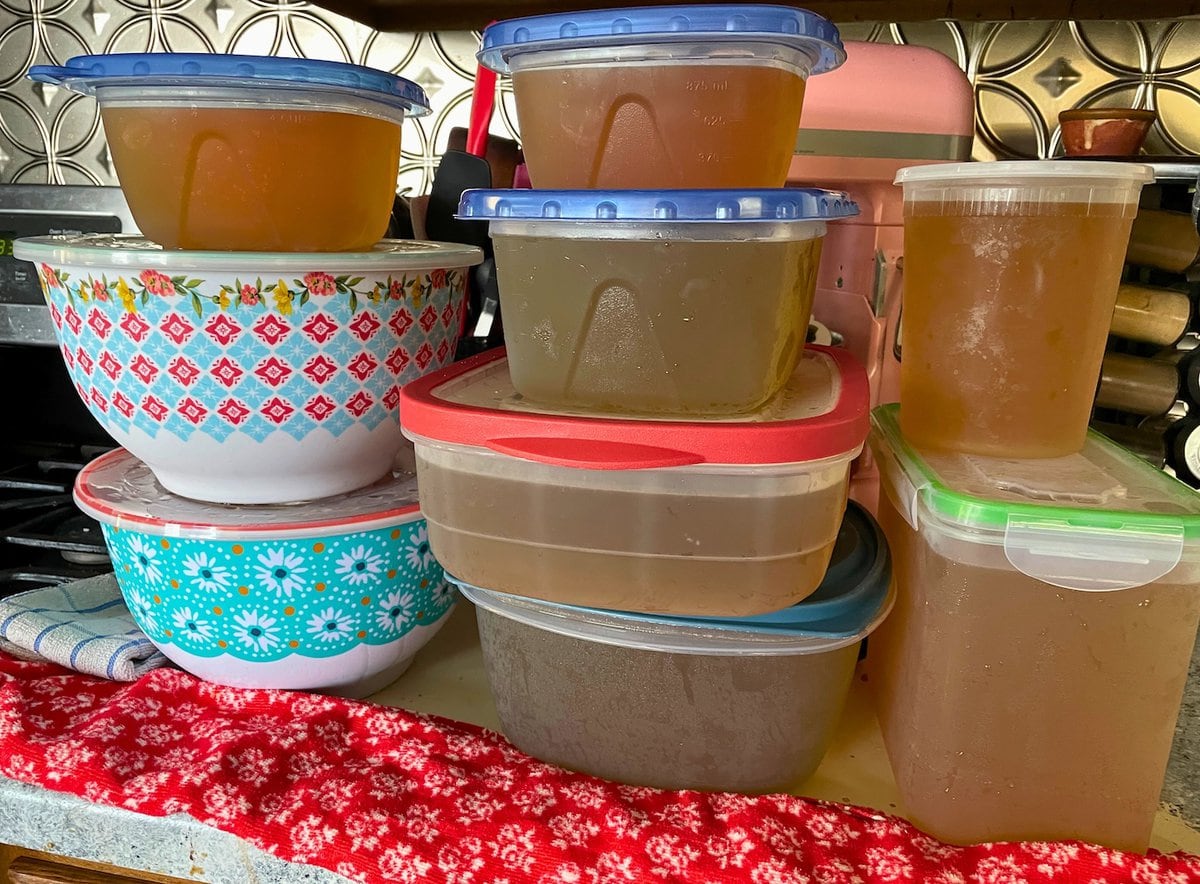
<point x="87" y="73"/>
<point x="118" y="489"/>
<point x="735" y="206"/>
<point x="126" y="250"/>
<point x="851" y="601"/>
<point x="758" y="23"/>
<point x="821" y="413"/>
<point x="1013" y="173"/>
<point x="1102" y="519"/>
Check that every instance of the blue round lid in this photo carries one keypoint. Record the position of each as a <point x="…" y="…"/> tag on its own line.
<point x="86" y="73"/>
<point x="664" y="24"/>
<point x="779" y="204"/>
<point x="852" y="597"/>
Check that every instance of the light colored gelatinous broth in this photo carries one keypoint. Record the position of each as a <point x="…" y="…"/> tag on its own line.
<point x="658" y="125"/>
<point x="255" y="179"/>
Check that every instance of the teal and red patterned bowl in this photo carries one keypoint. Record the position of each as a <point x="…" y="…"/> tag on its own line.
<point x="335" y="595"/>
<point x="244" y="377"/>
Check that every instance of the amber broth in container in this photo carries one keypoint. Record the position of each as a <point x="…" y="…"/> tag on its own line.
<point x="1013" y="708"/>
<point x="1010" y="279"/>
<point x="659" y="125"/>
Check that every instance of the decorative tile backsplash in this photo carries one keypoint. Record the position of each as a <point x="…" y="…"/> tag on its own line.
<point x="1024" y="73"/>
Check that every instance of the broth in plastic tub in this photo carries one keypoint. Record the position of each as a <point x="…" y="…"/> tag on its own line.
<point x="1029" y="679"/>
<point x="249" y="153"/>
<point x="758" y="698"/>
<point x="1010" y="278"/>
<point x="661" y="96"/>
<point x="659" y="302"/>
<point x="720" y="517"/>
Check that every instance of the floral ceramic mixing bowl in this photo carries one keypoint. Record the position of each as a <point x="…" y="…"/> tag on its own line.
<point x="336" y="595"/>
<point x="246" y="377"/>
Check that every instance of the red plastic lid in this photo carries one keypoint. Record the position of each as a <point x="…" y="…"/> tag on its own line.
<point x="822" y="413"/>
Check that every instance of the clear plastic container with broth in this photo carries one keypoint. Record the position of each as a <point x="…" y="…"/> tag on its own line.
<point x="659" y="302"/>
<point x="247" y="153"/>
<point x="609" y="693"/>
<point x="726" y="518"/>
<point x="1029" y="679"/>
<point x="1010" y="278"/>
<point x="661" y="97"/>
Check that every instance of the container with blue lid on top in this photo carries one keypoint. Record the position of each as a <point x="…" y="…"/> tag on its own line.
<point x="668" y="302"/>
<point x="608" y="693"/>
<point x="249" y="153"/>
<point x="663" y="96"/>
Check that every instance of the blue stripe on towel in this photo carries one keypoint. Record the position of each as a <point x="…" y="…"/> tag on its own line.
<point x="112" y="661"/>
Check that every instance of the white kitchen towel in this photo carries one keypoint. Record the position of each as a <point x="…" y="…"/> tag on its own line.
<point x="83" y="625"/>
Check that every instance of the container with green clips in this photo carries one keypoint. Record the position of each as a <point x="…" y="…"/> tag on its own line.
<point x="1029" y="678"/>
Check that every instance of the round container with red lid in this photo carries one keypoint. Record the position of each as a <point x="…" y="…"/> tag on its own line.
<point x="722" y="517"/>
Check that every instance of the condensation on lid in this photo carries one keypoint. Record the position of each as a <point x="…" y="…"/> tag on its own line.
<point x="118" y="489"/>
<point x="741" y="206"/>
<point x="1014" y="173"/>
<point x="86" y="73"/>
<point x="664" y="24"/>
<point x="125" y="250"/>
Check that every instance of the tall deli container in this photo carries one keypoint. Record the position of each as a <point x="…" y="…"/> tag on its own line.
<point x="722" y="517"/>
<point x="1011" y="272"/>
<point x="1030" y="677"/>
<point x="670" y="96"/>
<point x="745" y="704"/>
<point x="668" y="302"/>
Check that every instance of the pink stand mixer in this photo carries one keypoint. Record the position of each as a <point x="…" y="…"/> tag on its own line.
<point x="887" y="107"/>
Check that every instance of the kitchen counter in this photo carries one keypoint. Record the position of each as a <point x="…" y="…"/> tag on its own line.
<point x="446" y="679"/>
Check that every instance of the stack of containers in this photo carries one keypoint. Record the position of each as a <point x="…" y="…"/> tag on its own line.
<point x="1047" y="601"/>
<point x="249" y="355"/>
<point x="644" y="494"/>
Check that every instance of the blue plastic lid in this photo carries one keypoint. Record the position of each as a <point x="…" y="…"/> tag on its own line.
<point x="779" y="204"/>
<point x="852" y="597"/>
<point x="664" y="24"/>
<point x="86" y="73"/>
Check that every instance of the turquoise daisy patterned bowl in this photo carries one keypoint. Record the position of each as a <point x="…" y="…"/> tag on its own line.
<point x="336" y="595"/>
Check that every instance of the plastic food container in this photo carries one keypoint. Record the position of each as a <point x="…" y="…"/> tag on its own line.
<point x="677" y="303"/>
<point x="670" y="96"/>
<point x="335" y="595"/>
<point x="725" y="518"/>
<point x="1010" y="277"/>
<point x="249" y="153"/>
<point x="1030" y="675"/>
<point x="740" y="705"/>
<point x="244" y="377"/>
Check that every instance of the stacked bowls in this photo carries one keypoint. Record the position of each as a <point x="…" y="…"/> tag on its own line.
<point x="249" y="355"/>
<point x="644" y="492"/>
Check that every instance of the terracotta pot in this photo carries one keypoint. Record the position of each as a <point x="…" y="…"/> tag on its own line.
<point x="1104" y="131"/>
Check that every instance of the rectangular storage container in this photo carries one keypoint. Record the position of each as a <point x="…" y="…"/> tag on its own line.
<point x="744" y="704"/>
<point x="1030" y="677"/>
<point x="679" y="303"/>
<point x="725" y="517"/>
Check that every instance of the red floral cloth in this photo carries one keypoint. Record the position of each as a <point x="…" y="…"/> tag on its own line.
<point x="381" y="794"/>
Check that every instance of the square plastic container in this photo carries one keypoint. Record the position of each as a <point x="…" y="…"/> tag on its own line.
<point x="1030" y="676"/>
<point x="739" y="705"/>
<point x="725" y="518"/>
<point x="1010" y="278"/>
<point x="661" y="96"/>
<point x="249" y="153"/>
<point x="656" y="302"/>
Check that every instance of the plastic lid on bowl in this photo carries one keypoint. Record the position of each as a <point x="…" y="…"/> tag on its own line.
<point x="87" y="73"/>
<point x="821" y="413"/>
<point x="778" y="204"/>
<point x="1102" y="519"/>
<point x="123" y="250"/>
<point x="664" y="24"/>
<point x="851" y="601"/>
<point x="1013" y="173"/>
<point x="118" y="489"/>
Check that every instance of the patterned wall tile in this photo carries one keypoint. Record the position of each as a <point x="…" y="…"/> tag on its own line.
<point x="1024" y="74"/>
